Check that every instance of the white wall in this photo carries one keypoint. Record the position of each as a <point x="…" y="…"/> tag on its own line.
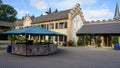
<point x="77" y="23"/>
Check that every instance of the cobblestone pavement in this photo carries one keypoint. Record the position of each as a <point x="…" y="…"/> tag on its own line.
<point x="67" y="57"/>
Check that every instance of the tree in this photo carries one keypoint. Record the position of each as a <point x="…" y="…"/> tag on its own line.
<point x="23" y="18"/>
<point x="56" y="10"/>
<point x="32" y="16"/>
<point x="7" y="13"/>
<point x="1" y="2"/>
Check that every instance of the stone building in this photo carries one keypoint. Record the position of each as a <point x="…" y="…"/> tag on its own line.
<point x="5" y="26"/>
<point x="72" y="24"/>
<point x="67" y="22"/>
<point x="106" y="29"/>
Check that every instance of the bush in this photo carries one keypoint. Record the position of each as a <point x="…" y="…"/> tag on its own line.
<point x="10" y="37"/>
<point x="86" y="40"/>
<point x="49" y="41"/>
<point x="21" y="38"/>
<point x="70" y="43"/>
<point x="114" y="39"/>
<point x="98" y="41"/>
<point x="80" y="42"/>
<point x="64" y="44"/>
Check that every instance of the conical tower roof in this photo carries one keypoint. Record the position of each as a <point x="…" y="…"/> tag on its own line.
<point x="117" y="13"/>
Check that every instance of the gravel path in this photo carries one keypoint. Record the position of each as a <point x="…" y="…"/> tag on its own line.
<point x="67" y="57"/>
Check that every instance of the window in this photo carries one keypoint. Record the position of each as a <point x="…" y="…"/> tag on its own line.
<point x="51" y="26"/>
<point x="43" y="25"/>
<point x="60" y="38"/>
<point x="56" y="38"/>
<point x="65" y="38"/>
<point x="56" y="26"/>
<point x="65" y="24"/>
<point x="61" y="25"/>
<point x="47" y="26"/>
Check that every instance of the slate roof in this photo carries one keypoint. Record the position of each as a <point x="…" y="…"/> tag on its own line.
<point x="108" y="28"/>
<point x="19" y="23"/>
<point x="51" y="17"/>
<point x="46" y="18"/>
<point x="6" y="24"/>
<point x="33" y="30"/>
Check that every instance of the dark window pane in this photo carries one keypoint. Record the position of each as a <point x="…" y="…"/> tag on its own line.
<point x="60" y="38"/>
<point x="65" y="24"/>
<point x="65" y="38"/>
<point x="47" y="26"/>
<point x="56" y="26"/>
<point x="55" y="38"/>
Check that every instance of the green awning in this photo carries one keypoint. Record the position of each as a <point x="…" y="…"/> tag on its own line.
<point x="33" y="30"/>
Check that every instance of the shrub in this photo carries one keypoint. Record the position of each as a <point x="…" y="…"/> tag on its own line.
<point x="80" y="42"/>
<point x="49" y="41"/>
<point x="114" y="39"/>
<point x="86" y="40"/>
<point x="21" y="38"/>
<point x="64" y="44"/>
<point x="10" y="37"/>
<point x="98" y="41"/>
<point x="70" y="43"/>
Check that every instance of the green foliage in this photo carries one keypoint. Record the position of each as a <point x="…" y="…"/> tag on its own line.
<point x="80" y="42"/>
<point x="83" y="40"/>
<point x="1" y="2"/>
<point x="49" y="41"/>
<point x="70" y="43"/>
<point x="21" y="38"/>
<point x="10" y="37"/>
<point x="114" y="39"/>
<point x="64" y="44"/>
<point x="23" y="18"/>
<point x="7" y="13"/>
<point x="56" y="10"/>
<point x="86" y="39"/>
<point x="32" y="16"/>
<point x="98" y="41"/>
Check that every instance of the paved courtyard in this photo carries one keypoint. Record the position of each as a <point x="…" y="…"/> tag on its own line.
<point x="67" y="57"/>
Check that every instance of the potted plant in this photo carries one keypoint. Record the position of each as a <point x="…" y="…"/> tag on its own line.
<point x="114" y="41"/>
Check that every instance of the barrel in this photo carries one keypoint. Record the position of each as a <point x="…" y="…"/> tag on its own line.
<point x="9" y="47"/>
<point x="116" y="46"/>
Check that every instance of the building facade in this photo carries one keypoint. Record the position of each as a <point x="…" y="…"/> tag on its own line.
<point x="5" y="26"/>
<point x="67" y="22"/>
<point x="107" y="30"/>
<point x="72" y="24"/>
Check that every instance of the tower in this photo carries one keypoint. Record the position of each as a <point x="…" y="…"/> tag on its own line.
<point x="117" y="13"/>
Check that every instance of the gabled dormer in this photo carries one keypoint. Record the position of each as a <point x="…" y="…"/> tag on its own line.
<point x="27" y="21"/>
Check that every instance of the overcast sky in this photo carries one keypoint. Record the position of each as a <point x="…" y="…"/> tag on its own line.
<point x="92" y="9"/>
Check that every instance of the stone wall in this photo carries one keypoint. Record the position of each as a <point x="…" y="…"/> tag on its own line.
<point x="44" y="49"/>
